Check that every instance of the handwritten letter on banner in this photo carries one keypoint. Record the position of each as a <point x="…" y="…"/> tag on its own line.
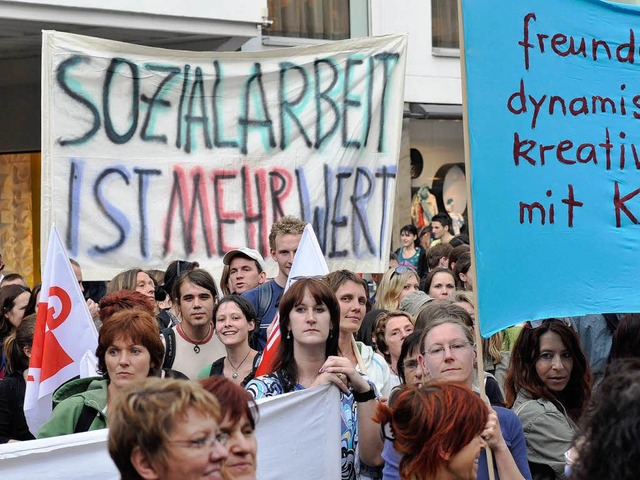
<point x="151" y="154"/>
<point x="554" y="116"/>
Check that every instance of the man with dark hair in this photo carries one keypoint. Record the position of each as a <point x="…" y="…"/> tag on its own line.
<point x="441" y="226"/>
<point x="192" y="343"/>
<point x="246" y="269"/>
<point x="283" y="241"/>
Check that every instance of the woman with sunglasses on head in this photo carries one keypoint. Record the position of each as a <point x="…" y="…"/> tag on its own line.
<point x="448" y="355"/>
<point x="411" y="253"/>
<point x="396" y="284"/>
<point x="307" y="357"/>
<point x="548" y="386"/>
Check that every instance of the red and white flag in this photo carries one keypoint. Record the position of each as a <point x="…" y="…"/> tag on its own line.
<point x="308" y="262"/>
<point x="64" y="334"/>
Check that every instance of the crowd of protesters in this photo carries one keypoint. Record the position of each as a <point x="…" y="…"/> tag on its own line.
<point x="562" y="395"/>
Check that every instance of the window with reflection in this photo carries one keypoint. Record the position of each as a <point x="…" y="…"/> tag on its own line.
<point x="444" y="27"/>
<point x="318" y="19"/>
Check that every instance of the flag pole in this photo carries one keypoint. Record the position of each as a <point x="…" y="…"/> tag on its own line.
<point x="467" y="162"/>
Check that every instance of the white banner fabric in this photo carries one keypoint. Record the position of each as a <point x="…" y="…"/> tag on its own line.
<point x="151" y="154"/>
<point x="298" y="437"/>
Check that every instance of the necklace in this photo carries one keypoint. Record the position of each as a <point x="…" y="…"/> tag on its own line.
<point x="196" y="344"/>
<point x="235" y="369"/>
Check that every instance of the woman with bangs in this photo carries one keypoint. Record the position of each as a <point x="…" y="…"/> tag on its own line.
<point x="548" y="386"/>
<point x="438" y="429"/>
<point x="235" y="321"/>
<point x="396" y="284"/>
<point x="308" y="357"/>
<point x="129" y="350"/>
<point x="239" y="414"/>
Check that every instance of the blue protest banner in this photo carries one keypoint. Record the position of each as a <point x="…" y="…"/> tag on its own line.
<point x="553" y="106"/>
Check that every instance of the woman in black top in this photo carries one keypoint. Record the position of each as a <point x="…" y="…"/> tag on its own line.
<point x="13" y="425"/>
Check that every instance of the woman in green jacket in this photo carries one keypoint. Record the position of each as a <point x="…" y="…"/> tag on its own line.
<point x="129" y="349"/>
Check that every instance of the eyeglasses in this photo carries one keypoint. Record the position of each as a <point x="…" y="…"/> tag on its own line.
<point x="221" y="438"/>
<point x="456" y="347"/>
<point x="410" y="365"/>
<point x="400" y="269"/>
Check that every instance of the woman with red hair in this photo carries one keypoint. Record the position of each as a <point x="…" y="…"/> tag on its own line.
<point x="438" y="430"/>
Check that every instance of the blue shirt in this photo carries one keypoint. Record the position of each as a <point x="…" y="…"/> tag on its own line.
<point x="513" y="436"/>
<point x="264" y="318"/>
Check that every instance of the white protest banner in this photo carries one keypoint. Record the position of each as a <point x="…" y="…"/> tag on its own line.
<point x="310" y="449"/>
<point x="64" y="336"/>
<point x="151" y="154"/>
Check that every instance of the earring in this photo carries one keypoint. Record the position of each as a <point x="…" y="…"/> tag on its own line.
<point x="330" y="333"/>
<point x="289" y="335"/>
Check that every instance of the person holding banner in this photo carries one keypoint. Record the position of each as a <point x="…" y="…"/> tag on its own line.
<point x="167" y="430"/>
<point x="129" y="350"/>
<point x="394" y="286"/>
<point x="13" y="425"/>
<point x="448" y="354"/>
<point x="548" y="386"/>
<point x="309" y="313"/>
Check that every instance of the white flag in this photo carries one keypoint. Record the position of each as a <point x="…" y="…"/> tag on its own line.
<point x="64" y="334"/>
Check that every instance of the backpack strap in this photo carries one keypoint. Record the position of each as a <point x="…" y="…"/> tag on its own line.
<point x="86" y="418"/>
<point x="170" y="347"/>
<point x="265" y="295"/>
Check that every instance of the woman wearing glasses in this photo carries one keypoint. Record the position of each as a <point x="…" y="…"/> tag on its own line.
<point x="167" y="429"/>
<point x="448" y="354"/>
<point x="307" y="357"/>
<point x="394" y="286"/>
<point x="548" y="385"/>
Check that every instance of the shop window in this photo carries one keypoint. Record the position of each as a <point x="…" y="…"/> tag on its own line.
<point x="444" y="28"/>
<point x="317" y="19"/>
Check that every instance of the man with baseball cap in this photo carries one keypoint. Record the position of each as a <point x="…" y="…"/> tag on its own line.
<point x="246" y="269"/>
